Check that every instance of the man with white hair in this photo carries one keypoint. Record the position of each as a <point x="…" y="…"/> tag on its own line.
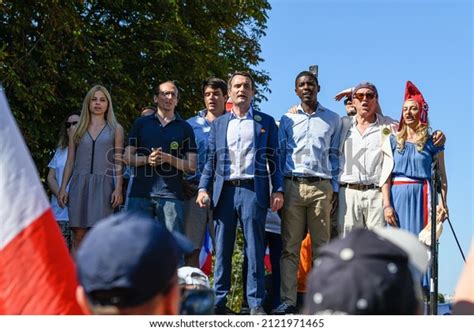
<point x="366" y="163"/>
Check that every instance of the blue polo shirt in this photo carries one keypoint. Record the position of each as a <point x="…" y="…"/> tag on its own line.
<point x="201" y="128"/>
<point x="177" y="139"/>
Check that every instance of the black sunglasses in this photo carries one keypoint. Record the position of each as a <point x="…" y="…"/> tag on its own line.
<point x="69" y="124"/>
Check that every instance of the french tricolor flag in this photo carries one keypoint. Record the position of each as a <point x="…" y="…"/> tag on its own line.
<point x="37" y="274"/>
<point x="205" y="256"/>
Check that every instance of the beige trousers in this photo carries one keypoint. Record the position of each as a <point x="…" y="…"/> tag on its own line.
<point x="307" y="208"/>
<point x="359" y="209"/>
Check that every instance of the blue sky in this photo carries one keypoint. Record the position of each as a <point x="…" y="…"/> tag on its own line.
<point x="387" y="42"/>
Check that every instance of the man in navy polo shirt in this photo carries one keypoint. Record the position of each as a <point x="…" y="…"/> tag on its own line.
<point x="161" y="147"/>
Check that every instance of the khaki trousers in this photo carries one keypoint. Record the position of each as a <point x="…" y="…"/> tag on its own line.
<point x="359" y="209"/>
<point x="307" y="208"/>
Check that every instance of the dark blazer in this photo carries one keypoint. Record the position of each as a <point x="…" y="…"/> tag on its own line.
<point x="266" y="151"/>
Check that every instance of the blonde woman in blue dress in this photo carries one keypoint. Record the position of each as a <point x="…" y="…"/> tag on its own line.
<point x="414" y="152"/>
<point x="94" y="165"/>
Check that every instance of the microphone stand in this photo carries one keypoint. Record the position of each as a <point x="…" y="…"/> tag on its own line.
<point x="454" y="234"/>
<point x="436" y="187"/>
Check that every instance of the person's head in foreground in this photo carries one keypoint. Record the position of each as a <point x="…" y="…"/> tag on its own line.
<point x="368" y="273"/>
<point x="464" y="294"/>
<point x="197" y="297"/>
<point x="128" y="264"/>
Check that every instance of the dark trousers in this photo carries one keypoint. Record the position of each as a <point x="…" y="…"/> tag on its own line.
<point x="273" y="241"/>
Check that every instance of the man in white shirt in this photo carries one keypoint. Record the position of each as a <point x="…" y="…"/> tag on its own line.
<point x="366" y="163"/>
<point x="364" y="187"/>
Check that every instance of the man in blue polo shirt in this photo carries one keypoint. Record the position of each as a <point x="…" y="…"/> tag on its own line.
<point x="161" y="147"/>
<point x="196" y="219"/>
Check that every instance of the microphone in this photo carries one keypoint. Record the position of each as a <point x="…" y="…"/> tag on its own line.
<point x="206" y="200"/>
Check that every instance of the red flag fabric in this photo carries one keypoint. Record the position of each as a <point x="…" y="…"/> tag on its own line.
<point x="37" y="274"/>
<point x="205" y="256"/>
<point x="228" y="105"/>
<point x="266" y="260"/>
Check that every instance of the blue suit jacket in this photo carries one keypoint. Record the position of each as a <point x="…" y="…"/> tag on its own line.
<point x="266" y="151"/>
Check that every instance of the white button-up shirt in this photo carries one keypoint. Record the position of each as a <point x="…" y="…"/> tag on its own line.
<point x="362" y="158"/>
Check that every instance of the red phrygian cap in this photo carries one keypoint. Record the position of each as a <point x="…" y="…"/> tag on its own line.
<point x="413" y="93"/>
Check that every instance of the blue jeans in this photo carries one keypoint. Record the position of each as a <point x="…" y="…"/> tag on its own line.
<point x="169" y="212"/>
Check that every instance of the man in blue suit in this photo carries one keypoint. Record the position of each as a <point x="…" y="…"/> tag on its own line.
<point x="242" y="156"/>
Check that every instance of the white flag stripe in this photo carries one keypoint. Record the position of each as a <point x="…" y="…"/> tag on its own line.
<point x="22" y="197"/>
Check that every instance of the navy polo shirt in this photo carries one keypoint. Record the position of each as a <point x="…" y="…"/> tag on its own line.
<point x="177" y="139"/>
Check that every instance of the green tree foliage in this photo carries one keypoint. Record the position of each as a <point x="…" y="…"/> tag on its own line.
<point x="52" y="52"/>
<point x="441" y="298"/>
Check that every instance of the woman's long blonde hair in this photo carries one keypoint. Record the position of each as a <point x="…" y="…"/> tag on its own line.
<point x="421" y="134"/>
<point x="85" y="118"/>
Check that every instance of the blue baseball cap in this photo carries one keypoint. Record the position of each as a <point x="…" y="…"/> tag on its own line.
<point x="127" y="259"/>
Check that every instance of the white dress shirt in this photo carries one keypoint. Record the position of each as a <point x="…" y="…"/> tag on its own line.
<point x="362" y="158"/>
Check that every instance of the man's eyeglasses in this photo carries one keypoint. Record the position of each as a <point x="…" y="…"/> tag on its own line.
<point x="360" y="96"/>
<point x="69" y="124"/>
<point x="168" y="94"/>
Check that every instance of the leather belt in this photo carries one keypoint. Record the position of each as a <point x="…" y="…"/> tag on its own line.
<point x="238" y="182"/>
<point x="360" y="187"/>
<point x="301" y="179"/>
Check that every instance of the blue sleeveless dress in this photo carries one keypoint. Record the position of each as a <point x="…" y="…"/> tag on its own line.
<point x="411" y="188"/>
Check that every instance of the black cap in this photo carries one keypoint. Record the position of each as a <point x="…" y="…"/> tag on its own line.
<point x="368" y="273"/>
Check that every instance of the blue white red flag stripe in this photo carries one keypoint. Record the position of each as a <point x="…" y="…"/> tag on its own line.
<point x="205" y="256"/>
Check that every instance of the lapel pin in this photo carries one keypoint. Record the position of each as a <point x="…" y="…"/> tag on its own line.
<point x="174" y="145"/>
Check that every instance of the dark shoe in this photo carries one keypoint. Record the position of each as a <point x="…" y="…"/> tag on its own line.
<point x="299" y="301"/>
<point x="244" y="311"/>
<point x="284" y="309"/>
<point x="257" y="311"/>
<point x="224" y="311"/>
<point x="244" y="308"/>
